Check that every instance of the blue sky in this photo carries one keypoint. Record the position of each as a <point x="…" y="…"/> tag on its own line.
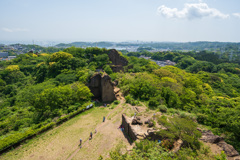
<point x="120" y="20"/>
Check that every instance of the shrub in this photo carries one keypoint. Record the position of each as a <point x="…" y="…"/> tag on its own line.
<point x="172" y="111"/>
<point x="116" y="102"/>
<point x="163" y="108"/>
<point x="181" y="128"/>
<point x="153" y="102"/>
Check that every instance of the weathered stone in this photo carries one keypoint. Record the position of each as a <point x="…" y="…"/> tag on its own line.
<point x="117" y="68"/>
<point x="208" y="136"/>
<point x="107" y="89"/>
<point x="177" y="145"/>
<point x="136" y="131"/>
<point x="139" y="122"/>
<point x="116" y="58"/>
<point x="228" y="149"/>
<point x="102" y="87"/>
<point x="126" y="123"/>
<point x="150" y="124"/>
<point x="95" y="86"/>
<point x="134" y="121"/>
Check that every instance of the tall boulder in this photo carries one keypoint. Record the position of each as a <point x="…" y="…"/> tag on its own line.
<point x="117" y="60"/>
<point x="95" y="86"/>
<point x="102" y="87"/>
<point x="107" y="89"/>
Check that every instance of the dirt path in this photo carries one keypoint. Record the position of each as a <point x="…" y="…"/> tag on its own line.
<point x="62" y="142"/>
<point x="100" y="128"/>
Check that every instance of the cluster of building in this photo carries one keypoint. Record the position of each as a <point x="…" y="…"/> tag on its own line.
<point x="5" y="57"/>
<point x="6" y="49"/>
<point x="160" y="63"/>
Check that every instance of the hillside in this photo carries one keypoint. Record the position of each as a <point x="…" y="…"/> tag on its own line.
<point x="41" y="91"/>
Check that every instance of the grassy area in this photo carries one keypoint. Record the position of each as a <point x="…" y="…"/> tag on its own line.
<point x="61" y="141"/>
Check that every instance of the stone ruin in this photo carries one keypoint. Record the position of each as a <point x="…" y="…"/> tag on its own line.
<point x="118" y="62"/>
<point x="142" y="128"/>
<point x="139" y="128"/>
<point x="102" y="88"/>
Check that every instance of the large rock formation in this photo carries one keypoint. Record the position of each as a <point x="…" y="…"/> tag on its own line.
<point x="107" y="89"/>
<point x="209" y="137"/>
<point x="102" y="87"/>
<point x="228" y="149"/>
<point x="117" y="60"/>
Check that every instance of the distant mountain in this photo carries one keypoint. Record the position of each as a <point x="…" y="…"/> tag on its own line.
<point x="87" y="44"/>
<point x="198" y="46"/>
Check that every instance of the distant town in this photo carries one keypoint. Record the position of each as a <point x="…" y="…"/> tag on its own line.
<point x="10" y="51"/>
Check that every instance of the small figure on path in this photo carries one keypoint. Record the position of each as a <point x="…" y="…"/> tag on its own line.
<point x="103" y="118"/>
<point x="80" y="143"/>
<point x="135" y="114"/>
<point x="95" y="131"/>
<point x="90" y="136"/>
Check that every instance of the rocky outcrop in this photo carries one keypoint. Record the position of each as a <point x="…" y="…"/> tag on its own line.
<point x="102" y="87"/>
<point x="107" y="89"/>
<point x="228" y="149"/>
<point x="117" y="60"/>
<point x="209" y="137"/>
<point x="137" y="121"/>
<point x="95" y="86"/>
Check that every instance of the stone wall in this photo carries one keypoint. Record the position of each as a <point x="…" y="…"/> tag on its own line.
<point x="127" y="127"/>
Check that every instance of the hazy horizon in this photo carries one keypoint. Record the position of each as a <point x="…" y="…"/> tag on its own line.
<point x="60" y="21"/>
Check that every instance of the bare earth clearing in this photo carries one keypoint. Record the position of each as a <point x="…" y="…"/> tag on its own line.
<point x="62" y="142"/>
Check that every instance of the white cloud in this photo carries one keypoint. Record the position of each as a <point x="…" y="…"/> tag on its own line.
<point x="236" y="15"/>
<point x="15" y="29"/>
<point x="191" y="11"/>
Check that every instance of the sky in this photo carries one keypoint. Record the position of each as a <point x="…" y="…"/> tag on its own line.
<point x="119" y="20"/>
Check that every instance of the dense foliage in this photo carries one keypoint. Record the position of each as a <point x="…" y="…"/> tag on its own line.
<point x="208" y="89"/>
<point x="37" y="90"/>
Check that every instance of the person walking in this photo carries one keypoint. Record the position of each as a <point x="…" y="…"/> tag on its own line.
<point x="90" y="136"/>
<point x="80" y="143"/>
<point x="103" y="118"/>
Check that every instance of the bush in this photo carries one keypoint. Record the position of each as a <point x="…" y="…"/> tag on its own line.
<point x="163" y="108"/>
<point x="180" y="128"/>
<point x="172" y="111"/>
<point x="131" y="101"/>
<point x="116" y="102"/>
<point x="153" y="102"/>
